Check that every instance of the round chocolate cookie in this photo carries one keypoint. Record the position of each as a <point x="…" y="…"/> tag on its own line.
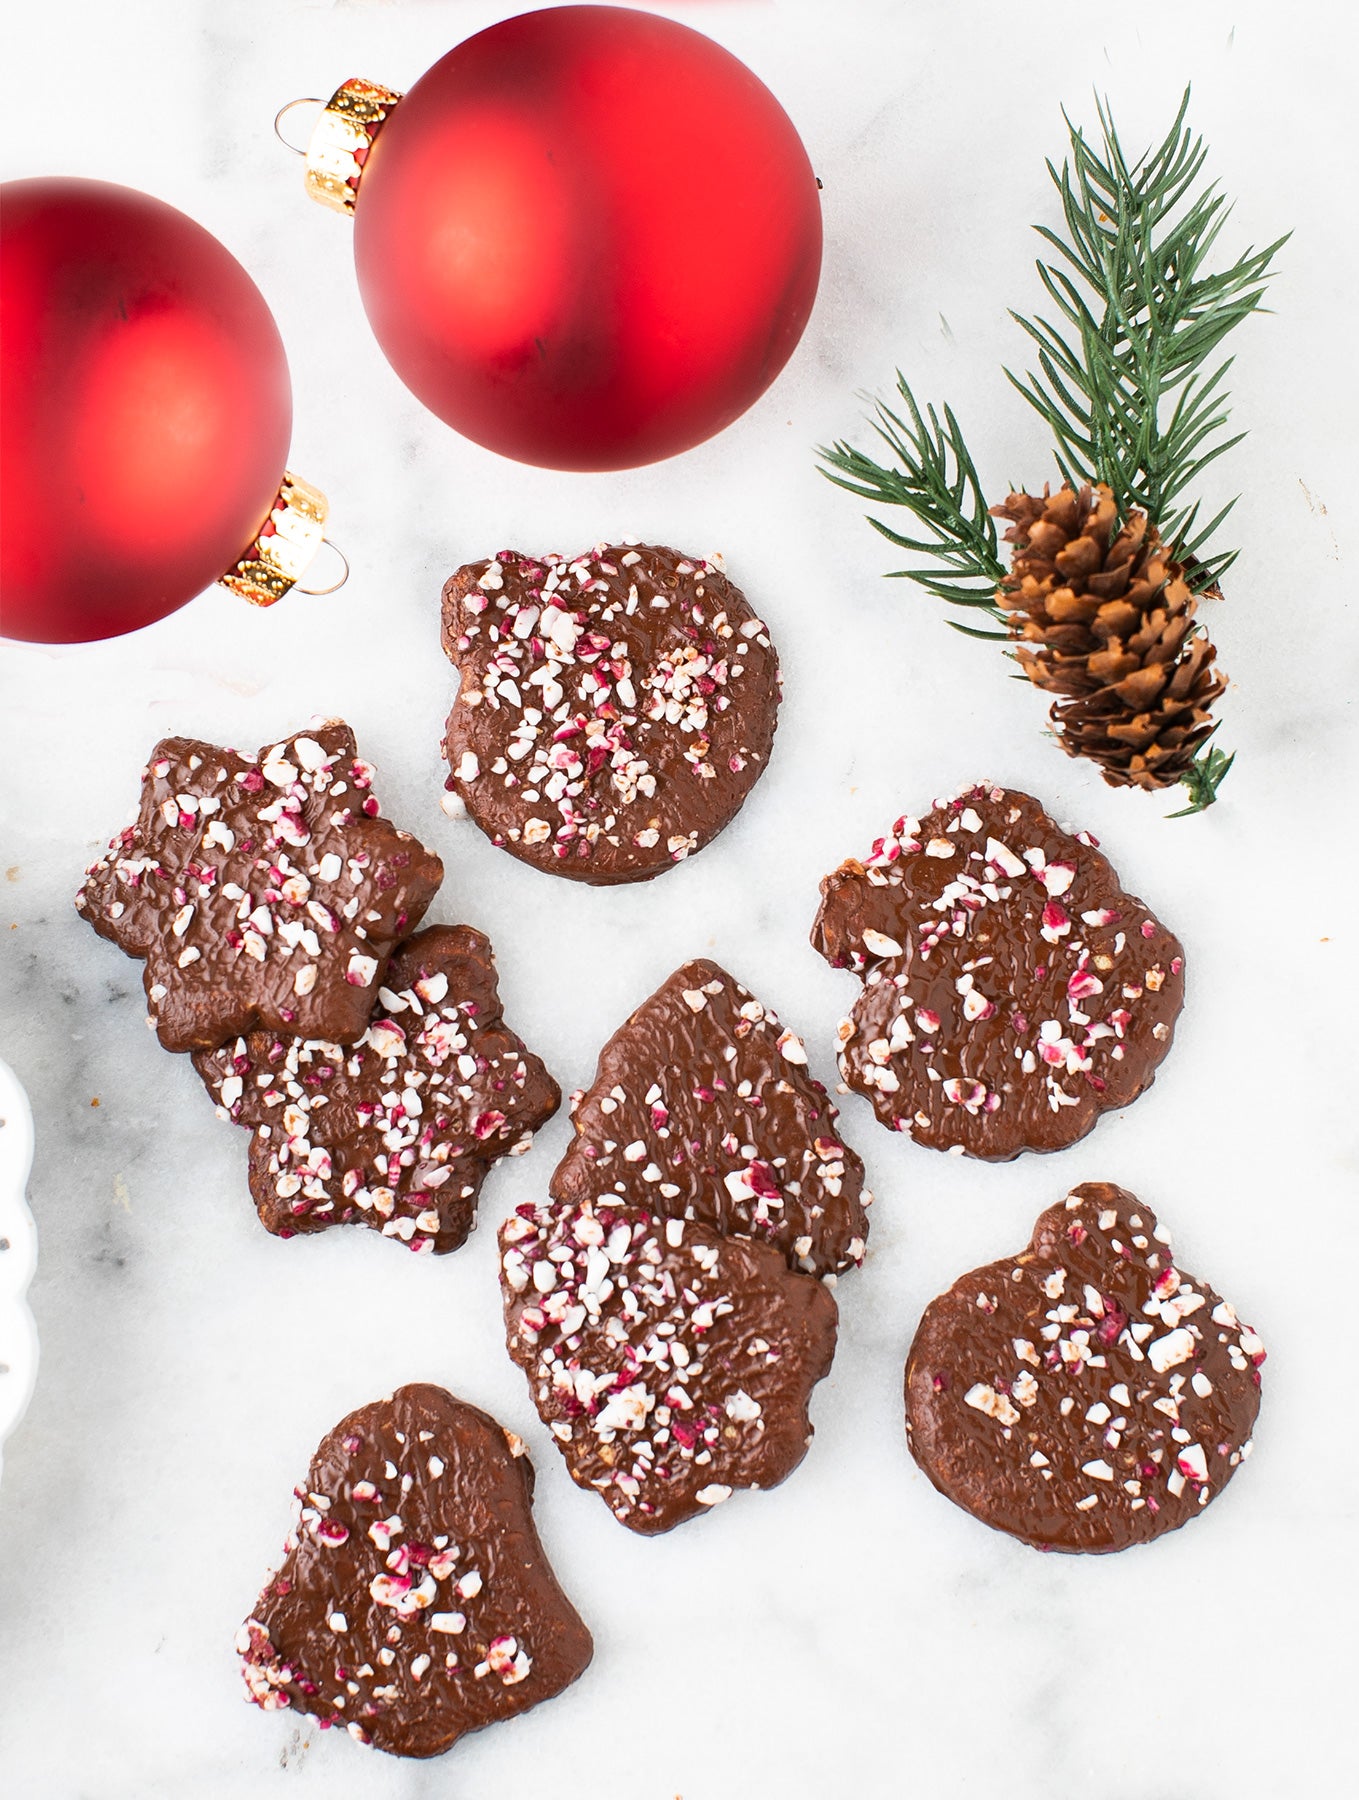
<point x="615" y="709"/>
<point x="672" y="1365"/>
<point x="1013" y="990"/>
<point x="414" y="1602"/>
<point x="1085" y="1394"/>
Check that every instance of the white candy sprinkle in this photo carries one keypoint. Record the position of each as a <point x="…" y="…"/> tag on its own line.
<point x="996" y="1406"/>
<point x="1165" y="1352"/>
<point x="361" y="969"/>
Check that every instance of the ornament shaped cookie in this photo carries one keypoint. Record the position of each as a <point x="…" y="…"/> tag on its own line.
<point x="414" y="1602"/>
<point x="1086" y="1394"/>
<point x="1013" y="990"/>
<point x="671" y="1364"/>
<point x="398" y="1131"/>
<point x="260" y="890"/>
<point x="615" y="709"/>
<point x="703" y="1107"/>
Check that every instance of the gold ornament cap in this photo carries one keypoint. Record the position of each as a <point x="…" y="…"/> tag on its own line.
<point x="288" y="539"/>
<point x="342" y="138"/>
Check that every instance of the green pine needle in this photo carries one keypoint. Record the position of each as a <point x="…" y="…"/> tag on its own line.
<point x="935" y="478"/>
<point x="1127" y="379"/>
<point x="1205" y="776"/>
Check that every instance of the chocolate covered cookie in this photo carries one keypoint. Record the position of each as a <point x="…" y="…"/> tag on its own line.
<point x="1013" y="990"/>
<point x="615" y="710"/>
<point x="397" y="1131"/>
<point x="671" y="1364"/>
<point x="414" y="1602"/>
<point x="260" y="890"/>
<point x="1086" y="1394"/>
<point x="703" y="1107"/>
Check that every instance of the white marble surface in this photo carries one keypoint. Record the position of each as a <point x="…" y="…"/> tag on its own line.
<point x="852" y="1633"/>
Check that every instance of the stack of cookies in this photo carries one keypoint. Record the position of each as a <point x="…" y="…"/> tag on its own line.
<point x="669" y="1300"/>
<point x="276" y="911"/>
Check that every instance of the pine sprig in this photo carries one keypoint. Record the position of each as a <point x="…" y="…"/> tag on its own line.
<point x="935" y="478"/>
<point x="1126" y="379"/>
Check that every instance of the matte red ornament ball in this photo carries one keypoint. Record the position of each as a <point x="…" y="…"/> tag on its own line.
<point x="588" y="238"/>
<point x="146" y="410"/>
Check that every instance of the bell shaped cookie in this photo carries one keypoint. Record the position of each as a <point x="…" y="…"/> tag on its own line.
<point x="414" y="1602"/>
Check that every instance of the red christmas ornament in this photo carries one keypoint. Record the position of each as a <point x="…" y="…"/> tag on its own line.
<point x="587" y="238"/>
<point x="147" y="410"/>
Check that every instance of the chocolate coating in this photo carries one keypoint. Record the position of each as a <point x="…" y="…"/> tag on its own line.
<point x="1013" y="990"/>
<point x="672" y="1365"/>
<point x="615" y="710"/>
<point x="260" y="890"/>
<point x="398" y="1131"/>
<point x="1086" y="1394"/>
<point x="702" y="1107"/>
<point x="414" y="1602"/>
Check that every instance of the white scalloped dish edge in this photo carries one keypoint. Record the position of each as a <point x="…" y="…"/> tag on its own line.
<point x="18" y="1256"/>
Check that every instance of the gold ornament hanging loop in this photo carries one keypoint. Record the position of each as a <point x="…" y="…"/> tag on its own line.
<point x="281" y="115"/>
<point x="289" y="538"/>
<point x="341" y="139"/>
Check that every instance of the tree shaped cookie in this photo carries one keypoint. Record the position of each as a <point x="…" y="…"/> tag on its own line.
<point x="1085" y="1394"/>
<point x="397" y="1131"/>
<point x="1013" y="991"/>
<point x="672" y="1365"/>
<point x="260" y="890"/>
<point x="414" y="1602"/>
<point x="615" y="710"/>
<point x="702" y="1107"/>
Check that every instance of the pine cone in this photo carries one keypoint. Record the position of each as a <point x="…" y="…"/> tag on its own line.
<point x="1107" y="621"/>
